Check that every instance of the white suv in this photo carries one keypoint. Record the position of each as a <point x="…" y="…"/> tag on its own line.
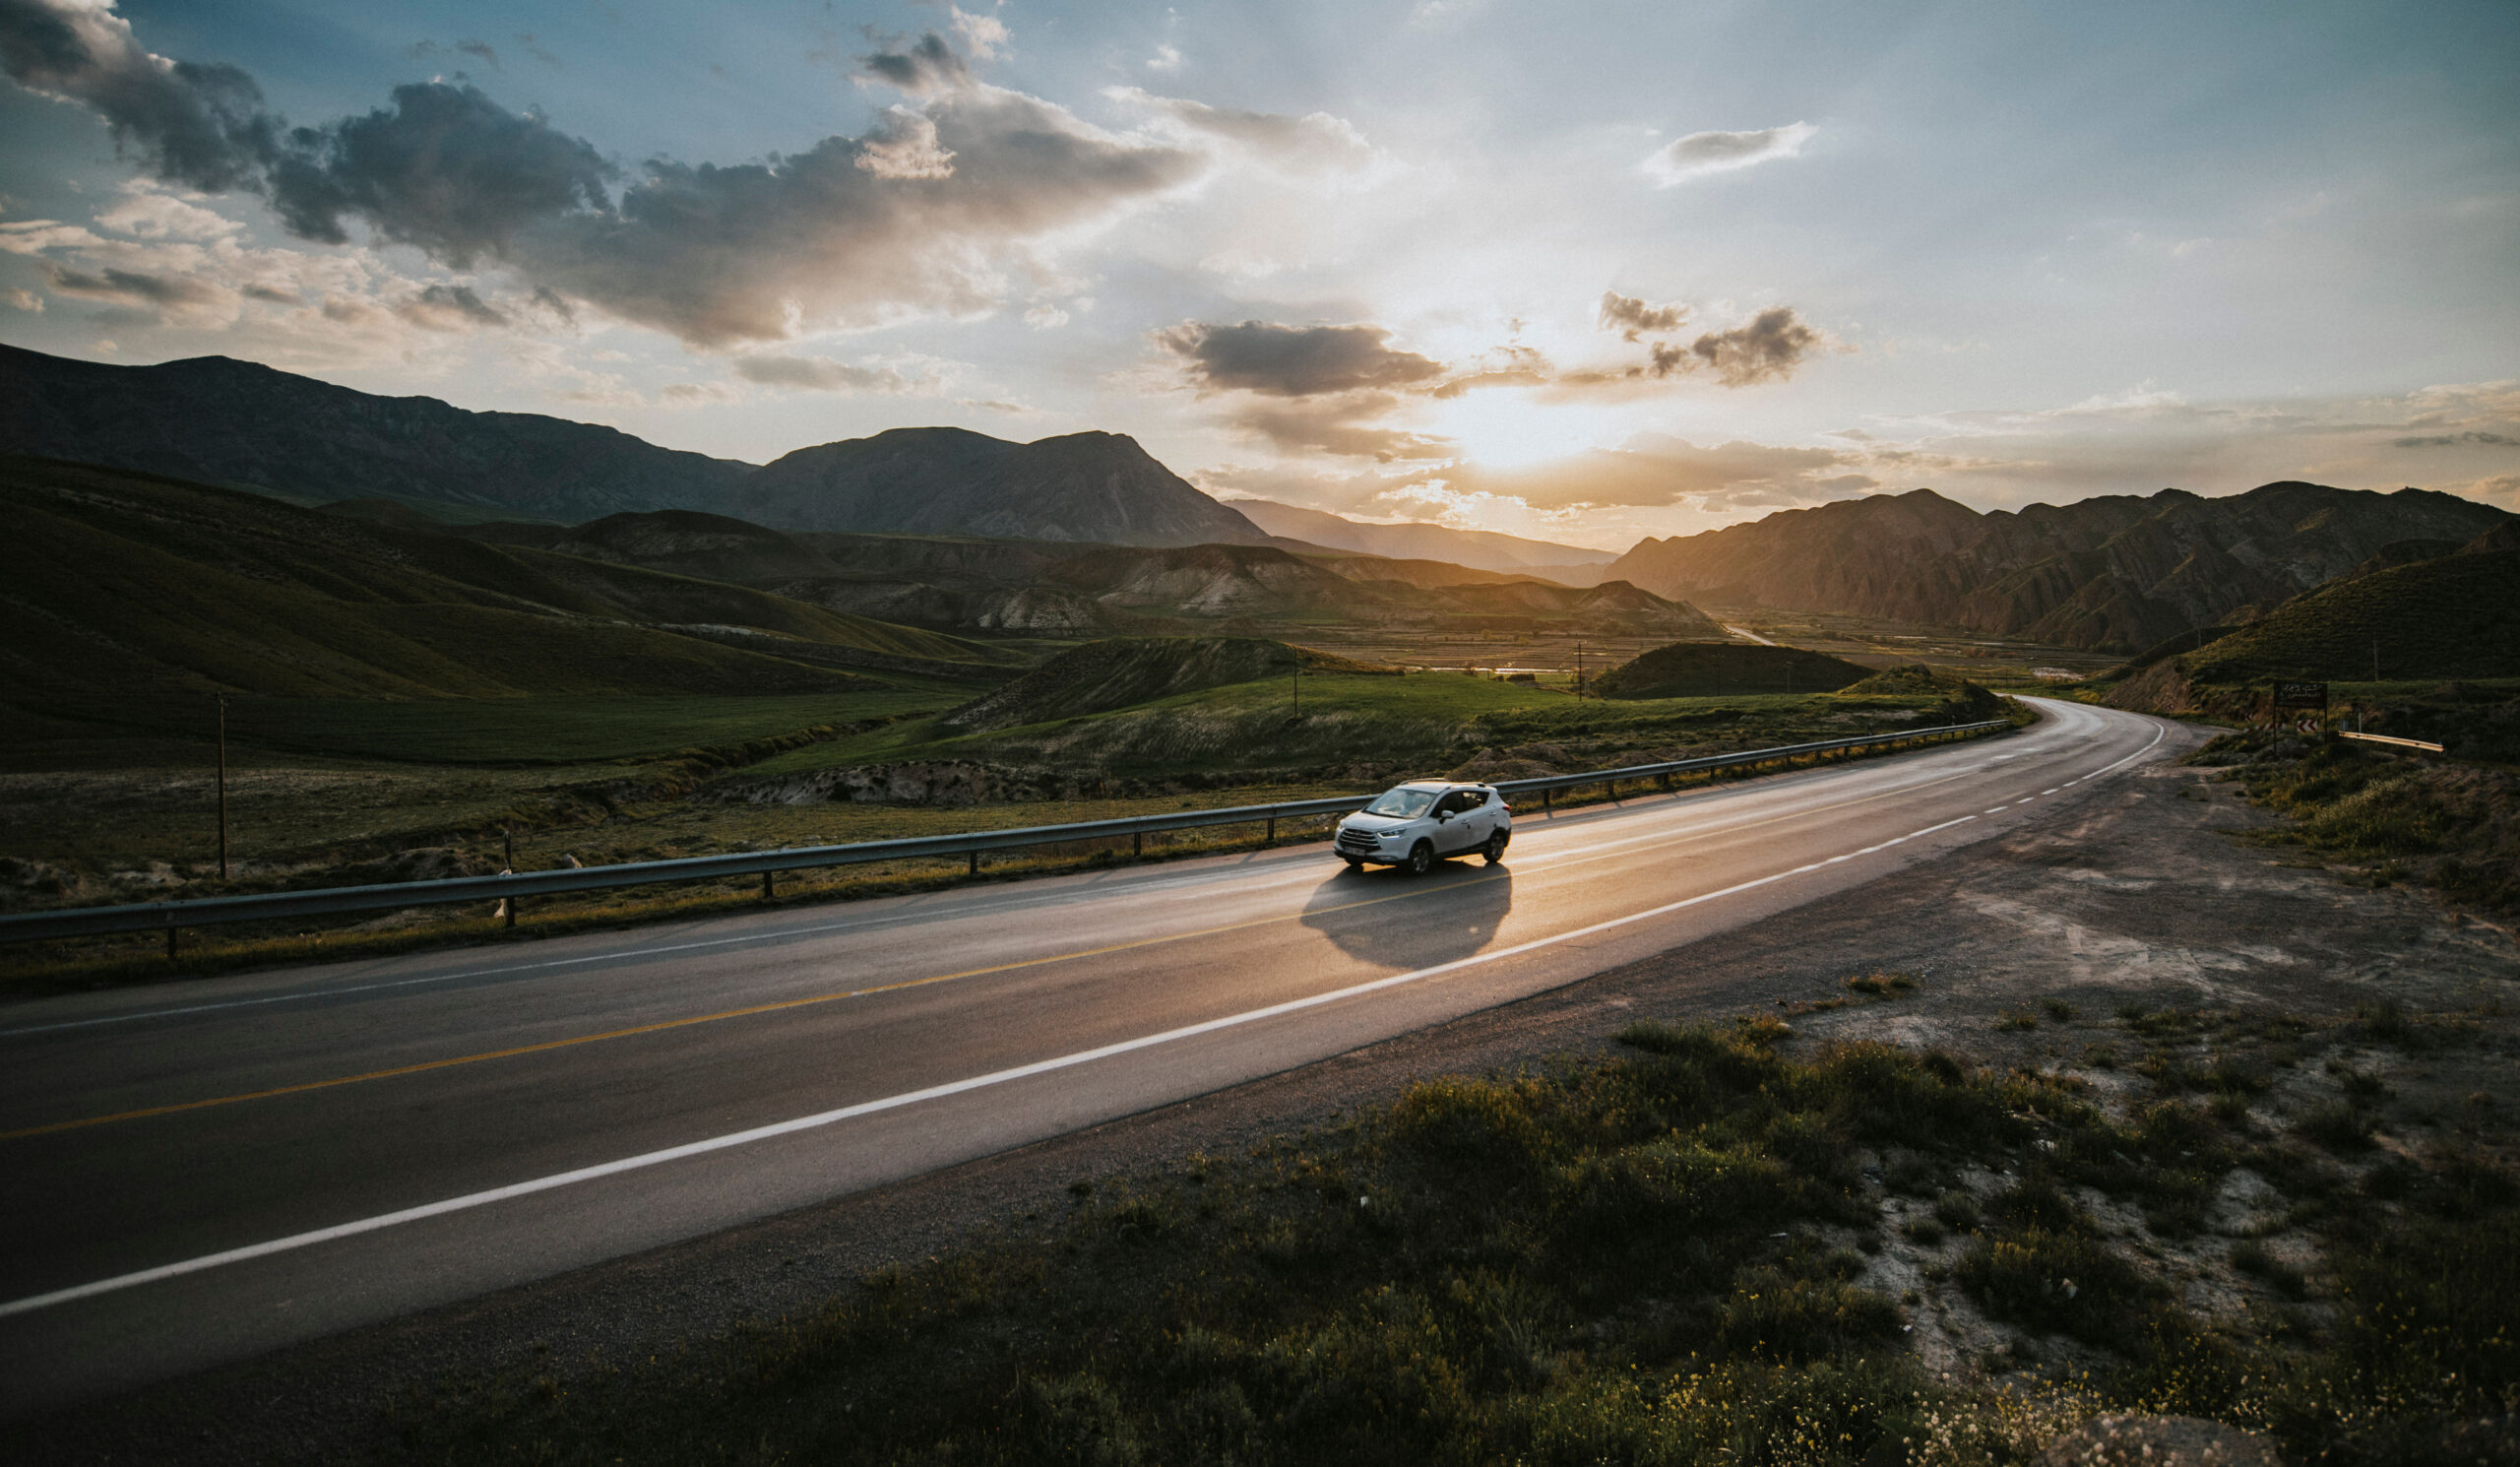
<point x="1419" y="823"/>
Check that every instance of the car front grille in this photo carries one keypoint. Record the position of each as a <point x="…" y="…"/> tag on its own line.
<point x="1357" y="843"/>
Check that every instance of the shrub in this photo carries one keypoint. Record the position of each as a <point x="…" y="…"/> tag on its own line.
<point x="2339" y="1125"/>
<point x="2069" y="1281"/>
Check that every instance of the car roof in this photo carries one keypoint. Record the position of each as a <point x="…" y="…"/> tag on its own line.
<point x="1440" y="785"/>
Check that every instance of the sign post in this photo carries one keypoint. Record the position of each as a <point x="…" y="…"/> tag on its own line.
<point x="2306" y="700"/>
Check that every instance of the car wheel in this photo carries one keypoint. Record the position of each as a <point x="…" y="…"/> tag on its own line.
<point x="1421" y="859"/>
<point x="1494" y="850"/>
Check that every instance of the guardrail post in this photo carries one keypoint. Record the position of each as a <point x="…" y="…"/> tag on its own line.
<point x="1271" y="839"/>
<point x="170" y="944"/>
<point x="508" y="907"/>
<point x="1137" y="843"/>
<point x="767" y="890"/>
<point x="1611" y="787"/>
<point x="975" y="862"/>
<point x="1547" y="804"/>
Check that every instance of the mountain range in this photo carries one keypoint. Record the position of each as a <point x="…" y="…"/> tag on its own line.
<point x="947" y="528"/>
<point x="2115" y="572"/>
<point x="1570" y="565"/>
<point x="216" y="421"/>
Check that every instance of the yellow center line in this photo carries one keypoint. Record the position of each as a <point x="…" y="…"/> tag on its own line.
<point x="818" y="998"/>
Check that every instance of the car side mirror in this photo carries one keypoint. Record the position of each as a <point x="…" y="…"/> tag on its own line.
<point x="1442" y="816"/>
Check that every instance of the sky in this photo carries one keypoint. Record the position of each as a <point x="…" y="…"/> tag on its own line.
<point x="1583" y="272"/>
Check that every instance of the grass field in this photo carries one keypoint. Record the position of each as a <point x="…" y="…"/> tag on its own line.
<point x="1423" y="724"/>
<point x="1675" y="1253"/>
<point x="516" y="730"/>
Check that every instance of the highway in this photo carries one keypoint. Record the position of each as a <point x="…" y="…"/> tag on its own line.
<point x="205" y="1171"/>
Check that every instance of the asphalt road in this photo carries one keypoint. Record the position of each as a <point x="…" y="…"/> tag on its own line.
<point x="201" y="1173"/>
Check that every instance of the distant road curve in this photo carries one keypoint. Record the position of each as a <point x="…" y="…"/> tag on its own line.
<point x="207" y="1172"/>
<point x="1743" y="631"/>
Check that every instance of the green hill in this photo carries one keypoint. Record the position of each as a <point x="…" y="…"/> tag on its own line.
<point x="1699" y="669"/>
<point x="1956" y="699"/>
<point x="2454" y="616"/>
<point x="127" y="585"/>
<point x="1120" y="672"/>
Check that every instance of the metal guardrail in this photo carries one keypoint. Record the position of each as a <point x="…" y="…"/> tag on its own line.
<point x="2403" y="743"/>
<point x="170" y="917"/>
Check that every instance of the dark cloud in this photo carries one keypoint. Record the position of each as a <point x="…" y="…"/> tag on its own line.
<point x="920" y="215"/>
<point x="445" y="169"/>
<point x="2460" y="440"/>
<point x="927" y="65"/>
<point x="720" y="255"/>
<point x="450" y="308"/>
<point x="534" y="48"/>
<point x="1633" y="319"/>
<point x="1295" y="361"/>
<point x="131" y="287"/>
<point x="201" y="126"/>
<point x="818" y="374"/>
<point x="481" y="49"/>
<point x="1767" y="349"/>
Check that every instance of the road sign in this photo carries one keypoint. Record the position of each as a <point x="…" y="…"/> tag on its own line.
<point x="2302" y="695"/>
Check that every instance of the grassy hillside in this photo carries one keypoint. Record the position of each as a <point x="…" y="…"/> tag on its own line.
<point x="1691" y="669"/>
<point x="2456" y="616"/>
<point x="123" y="583"/>
<point x="1121" y="670"/>
<point x="1361" y="728"/>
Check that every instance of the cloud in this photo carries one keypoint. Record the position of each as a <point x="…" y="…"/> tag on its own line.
<point x="1705" y="153"/>
<point x="984" y="36"/>
<point x="1166" y="59"/>
<point x="481" y="49"/>
<point x="131" y="287"/>
<point x="202" y="126"/>
<point x="921" y="68"/>
<point x="441" y="307"/>
<point x="1656" y="469"/>
<point x="1293" y="362"/>
<point x="818" y="374"/>
<point x="1344" y="425"/>
<point x="1313" y="143"/>
<point x="2454" y="440"/>
<point x="926" y="214"/>
<point x="1632" y="318"/>
<point x="1768" y="348"/>
<point x="445" y="169"/>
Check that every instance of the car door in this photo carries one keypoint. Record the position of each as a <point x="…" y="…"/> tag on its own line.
<point x="1460" y="832"/>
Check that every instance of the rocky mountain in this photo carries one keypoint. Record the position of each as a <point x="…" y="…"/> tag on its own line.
<point x="1097" y="487"/>
<point x="1482" y="549"/>
<point x="2117" y="572"/>
<point x="2454" y="615"/>
<point x="213" y="419"/>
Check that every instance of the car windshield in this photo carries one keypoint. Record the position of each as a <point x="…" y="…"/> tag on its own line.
<point x="1403" y="804"/>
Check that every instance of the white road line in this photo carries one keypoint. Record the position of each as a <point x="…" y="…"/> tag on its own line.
<point x="895" y="1102"/>
<point x="1154" y="888"/>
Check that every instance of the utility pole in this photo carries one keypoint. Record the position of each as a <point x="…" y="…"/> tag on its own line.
<point x="1579" y="669"/>
<point x="222" y="787"/>
<point x="1299" y="684"/>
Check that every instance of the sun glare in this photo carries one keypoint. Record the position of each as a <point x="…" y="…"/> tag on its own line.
<point x="1495" y="432"/>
